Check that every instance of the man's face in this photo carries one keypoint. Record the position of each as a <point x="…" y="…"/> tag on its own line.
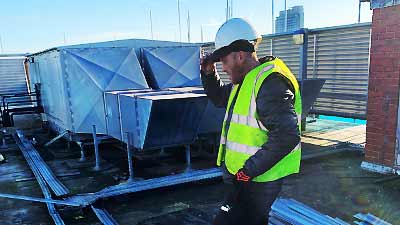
<point x="231" y="64"/>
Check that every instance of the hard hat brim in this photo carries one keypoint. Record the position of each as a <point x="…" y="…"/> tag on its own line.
<point x="236" y="46"/>
<point x="220" y="53"/>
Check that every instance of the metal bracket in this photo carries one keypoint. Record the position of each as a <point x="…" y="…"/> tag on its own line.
<point x="129" y="153"/>
<point x="4" y="144"/>
<point x="55" y="139"/>
<point x="81" y="147"/>
<point x="188" y="162"/>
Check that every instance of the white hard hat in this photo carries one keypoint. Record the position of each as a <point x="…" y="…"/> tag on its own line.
<point x="233" y="30"/>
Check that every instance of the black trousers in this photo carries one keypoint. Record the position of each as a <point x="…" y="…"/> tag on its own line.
<point x="248" y="203"/>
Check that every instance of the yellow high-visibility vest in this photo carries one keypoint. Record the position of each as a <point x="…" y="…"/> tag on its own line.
<point x="246" y="134"/>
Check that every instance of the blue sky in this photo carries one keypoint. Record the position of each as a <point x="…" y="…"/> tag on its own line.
<point x="34" y="25"/>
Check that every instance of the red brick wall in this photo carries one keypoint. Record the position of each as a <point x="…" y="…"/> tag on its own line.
<point x="383" y="88"/>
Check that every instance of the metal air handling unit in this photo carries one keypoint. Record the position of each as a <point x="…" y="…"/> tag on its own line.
<point x="74" y="79"/>
<point x="103" y="90"/>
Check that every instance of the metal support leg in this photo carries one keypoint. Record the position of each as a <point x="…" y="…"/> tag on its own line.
<point x="162" y="152"/>
<point x="96" y="149"/>
<point x="129" y="151"/>
<point x="188" y="163"/>
<point x="69" y="145"/>
<point x="83" y="157"/>
<point x="4" y="144"/>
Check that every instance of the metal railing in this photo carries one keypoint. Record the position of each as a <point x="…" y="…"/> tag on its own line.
<point x="19" y="104"/>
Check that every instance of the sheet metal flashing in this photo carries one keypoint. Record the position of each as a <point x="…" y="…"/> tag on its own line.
<point x="44" y="51"/>
<point x="132" y="43"/>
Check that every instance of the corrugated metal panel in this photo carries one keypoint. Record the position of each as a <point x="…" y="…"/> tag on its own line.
<point x="137" y="44"/>
<point x="12" y="75"/>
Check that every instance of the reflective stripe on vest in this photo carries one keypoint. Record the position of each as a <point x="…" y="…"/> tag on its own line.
<point x="251" y="150"/>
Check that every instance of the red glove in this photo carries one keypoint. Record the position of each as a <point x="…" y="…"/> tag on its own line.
<point x="241" y="176"/>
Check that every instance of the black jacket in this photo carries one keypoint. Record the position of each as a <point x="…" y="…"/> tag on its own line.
<point x="275" y="107"/>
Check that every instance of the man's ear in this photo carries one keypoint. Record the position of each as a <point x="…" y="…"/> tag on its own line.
<point x="241" y="56"/>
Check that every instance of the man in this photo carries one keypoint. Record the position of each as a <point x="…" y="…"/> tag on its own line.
<point x="260" y="141"/>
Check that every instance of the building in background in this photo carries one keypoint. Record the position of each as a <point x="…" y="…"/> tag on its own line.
<point x="295" y="19"/>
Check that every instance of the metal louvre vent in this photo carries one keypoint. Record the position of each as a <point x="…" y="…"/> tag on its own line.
<point x="282" y="47"/>
<point x="12" y="75"/>
<point x="341" y="57"/>
<point x="13" y="79"/>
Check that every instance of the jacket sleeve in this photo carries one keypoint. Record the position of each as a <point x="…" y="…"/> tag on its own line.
<point x="216" y="90"/>
<point x="275" y="107"/>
